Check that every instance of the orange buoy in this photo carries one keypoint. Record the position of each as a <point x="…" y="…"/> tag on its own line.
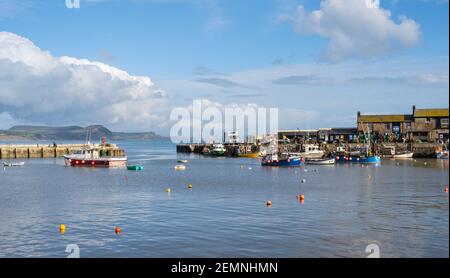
<point x="117" y="230"/>
<point x="268" y="203"/>
<point x="446" y="190"/>
<point x="301" y="197"/>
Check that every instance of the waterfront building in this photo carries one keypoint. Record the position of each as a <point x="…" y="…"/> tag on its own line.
<point x="298" y="135"/>
<point x="429" y="125"/>
<point x="341" y="135"/>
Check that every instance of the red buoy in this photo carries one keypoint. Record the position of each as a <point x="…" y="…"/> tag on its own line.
<point x="117" y="230"/>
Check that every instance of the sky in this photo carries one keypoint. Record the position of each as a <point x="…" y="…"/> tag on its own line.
<point x="127" y="64"/>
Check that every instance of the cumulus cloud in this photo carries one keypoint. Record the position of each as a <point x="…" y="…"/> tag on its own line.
<point x="354" y="29"/>
<point x="34" y="85"/>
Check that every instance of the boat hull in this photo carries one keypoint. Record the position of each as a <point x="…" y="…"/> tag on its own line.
<point x="249" y="155"/>
<point x="357" y="159"/>
<point x="321" y="162"/>
<point x="400" y="156"/>
<point x="284" y="162"/>
<point x="103" y="162"/>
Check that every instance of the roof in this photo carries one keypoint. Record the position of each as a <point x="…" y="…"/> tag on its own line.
<point x="383" y="118"/>
<point x="440" y="112"/>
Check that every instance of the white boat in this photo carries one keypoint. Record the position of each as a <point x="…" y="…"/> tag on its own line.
<point x="310" y="151"/>
<point x="89" y="157"/>
<point x="391" y="152"/>
<point x="325" y="161"/>
<point x="17" y="164"/>
<point x="218" y="150"/>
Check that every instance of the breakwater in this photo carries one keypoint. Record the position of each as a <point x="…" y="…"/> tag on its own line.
<point x="52" y="151"/>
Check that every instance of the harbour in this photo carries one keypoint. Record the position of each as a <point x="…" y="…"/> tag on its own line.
<point x="218" y="206"/>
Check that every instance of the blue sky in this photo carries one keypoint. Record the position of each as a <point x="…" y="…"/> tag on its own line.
<point x="266" y="52"/>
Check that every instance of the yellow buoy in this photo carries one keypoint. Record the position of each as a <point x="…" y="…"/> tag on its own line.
<point x="190" y="186"/>
<point x="62" y="228"/>
<point x="168" y="190"/>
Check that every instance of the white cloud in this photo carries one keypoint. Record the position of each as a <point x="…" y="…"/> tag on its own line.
<point x="354" y="30"/>
<point x="66" y="90"/>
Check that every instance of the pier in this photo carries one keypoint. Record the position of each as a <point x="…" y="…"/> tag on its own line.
<point x="52" y="151"/>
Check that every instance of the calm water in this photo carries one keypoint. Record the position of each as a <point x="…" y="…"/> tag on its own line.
<point x="402" y="208"/>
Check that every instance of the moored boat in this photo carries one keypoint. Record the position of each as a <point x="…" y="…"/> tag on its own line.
<point x="135" y="167"/>
<point x="358" y="159"/>
<point x="274" y="160"/>
<point x="218" y="150"/>
<point x="16" y="164"/>
<point x="325" y="161"/>
<point x="249" y="155"/>
<point x="310" y="151"/>
<point x="392" y="152"/>
<point x="90" y="157"/>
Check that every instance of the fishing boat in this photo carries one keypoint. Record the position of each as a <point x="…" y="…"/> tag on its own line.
<point x="184" y="161"/>
<point x="310" y="151"/>
<point x="362" y="154"/>
<point x="17" y="164"/>
<point x="392" y="152"/>
<point x="284" y="160"/>
<point x="218" y="150"/>
<point x="89" y="156"/>
<point x="325" y="161"/>
<point x="249" y="155"/>
<point x="359" y="159"/>
<point x="249" y="151"/>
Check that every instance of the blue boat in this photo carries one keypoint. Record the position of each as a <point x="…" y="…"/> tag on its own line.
<point x="273" y="160"/>
<point x="358" y="159"/>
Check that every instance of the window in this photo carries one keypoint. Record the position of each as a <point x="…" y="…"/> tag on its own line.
<point x="387" y="126"/>
<point x="427" y="120"/>
<point x="444" y="123"/>
<point x="408" y="125"/>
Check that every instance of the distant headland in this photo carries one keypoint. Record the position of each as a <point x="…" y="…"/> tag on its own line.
<point x="29" y="132"/>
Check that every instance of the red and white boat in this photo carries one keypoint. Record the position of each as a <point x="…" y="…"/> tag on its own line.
<point x="90" y="157"/>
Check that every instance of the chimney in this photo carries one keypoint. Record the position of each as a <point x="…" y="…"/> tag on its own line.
<point x="414" y="109"/>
